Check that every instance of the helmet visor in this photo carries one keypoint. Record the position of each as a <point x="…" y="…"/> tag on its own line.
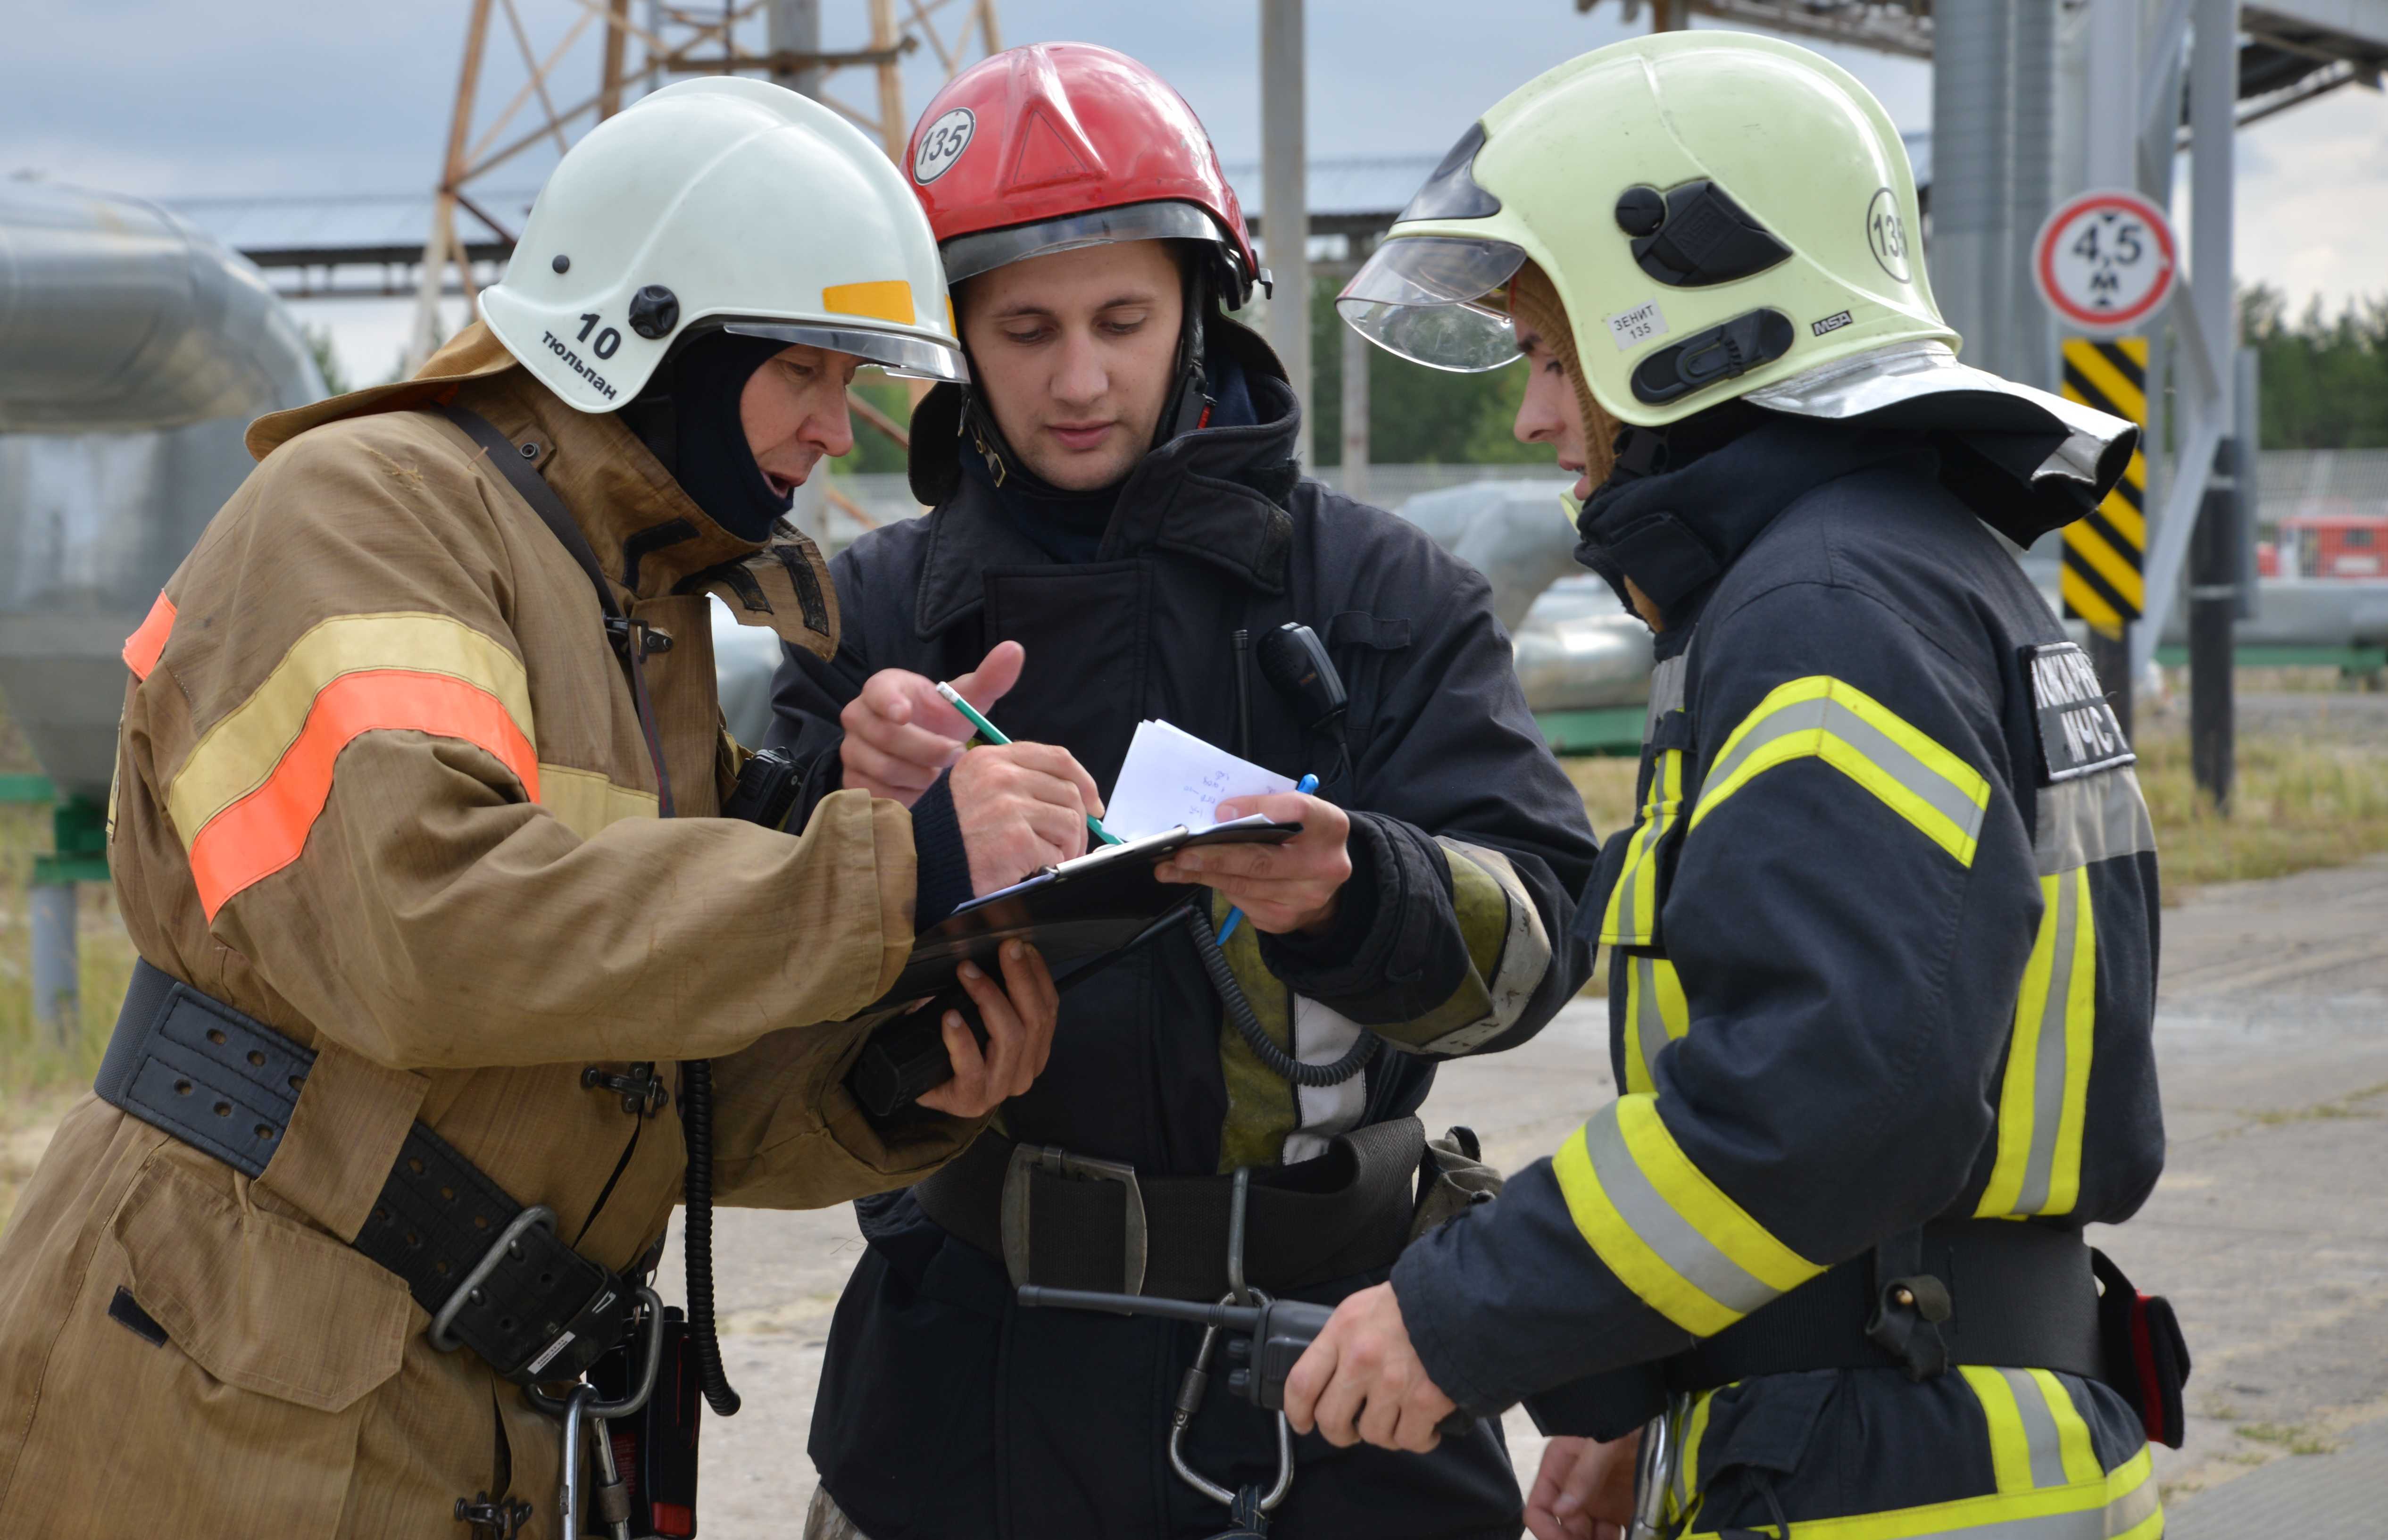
<point x="1435" y="299"/>
<point x="968" y="256"/>
<point x="906" y="356"/>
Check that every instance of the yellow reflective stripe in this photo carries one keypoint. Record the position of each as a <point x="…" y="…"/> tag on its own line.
<point x="2044" y="1095"/>
<point x="1655" y="1014"/>
<point x="1668" y="1233"/>
<point x="587" y="802"/>
<point x="1632" y="917"/>
<point x="1831" y="719"/>
<point x="2123" y="1505"/>
<point x="1687" y="1470"/>
<point x="2023" y="1057"/>
<point x="2009" y="1448"/>
<point x="2078" y="1458"/>
<point x="2080" y="1022"/>
<point x="239" y="753"/>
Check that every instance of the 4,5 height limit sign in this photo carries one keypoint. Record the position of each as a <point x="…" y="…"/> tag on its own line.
<point x="2105" y="261"/>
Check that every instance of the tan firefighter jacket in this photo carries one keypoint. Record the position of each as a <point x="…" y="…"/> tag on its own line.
<point x="382" y="785"/>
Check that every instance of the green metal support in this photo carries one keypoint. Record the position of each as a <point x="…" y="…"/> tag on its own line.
<point x="79" y="842"/>
<point x="1604" y="730"/>
<point x="27" y="788"/>
<point x="2350" y="660"/>
<point x="79" y="837"/>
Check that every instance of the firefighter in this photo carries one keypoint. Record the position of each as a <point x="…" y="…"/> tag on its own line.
<point x="399" y="1070"/>
<point x="1885" y="934"/>
<point x="1120" y="529"/>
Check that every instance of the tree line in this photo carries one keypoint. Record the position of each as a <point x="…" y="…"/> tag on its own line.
<point x="2325" y="386"/>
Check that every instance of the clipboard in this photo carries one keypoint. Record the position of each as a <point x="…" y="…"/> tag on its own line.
<point x="1078" y="910"/>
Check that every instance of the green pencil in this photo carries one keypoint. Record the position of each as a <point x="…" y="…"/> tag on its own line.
<point x="993" y="734"/>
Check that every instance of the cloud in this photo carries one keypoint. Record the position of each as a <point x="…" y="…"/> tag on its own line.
<point x="2315" y="221"/>
<point x="162" y="97"/>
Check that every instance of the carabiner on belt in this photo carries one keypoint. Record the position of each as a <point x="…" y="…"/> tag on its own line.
<point x="581" y="1405"/>
<point x="1249" y="1508"/>
<point x="1656" y="1467"/>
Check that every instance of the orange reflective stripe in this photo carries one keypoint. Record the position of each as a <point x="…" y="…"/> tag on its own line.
<point x="141" y="649"/>
<point x="264" y="831"/>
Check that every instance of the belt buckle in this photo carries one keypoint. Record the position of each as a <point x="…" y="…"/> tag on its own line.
<point x="1026" y="1159"/>
<point x="539" y="1215"/>
<point x="442" y="1329"/>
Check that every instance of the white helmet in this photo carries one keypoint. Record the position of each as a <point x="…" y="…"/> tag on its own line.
<point x="722" y="203"/>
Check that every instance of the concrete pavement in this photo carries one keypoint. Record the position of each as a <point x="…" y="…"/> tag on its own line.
<point x="2269" y="1231"/>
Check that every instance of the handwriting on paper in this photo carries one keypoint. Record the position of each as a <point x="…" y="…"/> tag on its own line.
<point x="1171" y="777"/>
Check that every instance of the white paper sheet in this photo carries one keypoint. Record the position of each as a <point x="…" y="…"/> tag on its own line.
<point x="1171" y="777"/>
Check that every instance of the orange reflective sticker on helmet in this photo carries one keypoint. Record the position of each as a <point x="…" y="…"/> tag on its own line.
<point x="886" y="299"/>
<point x="266" y="831"/>
<point x="143" y="647"/>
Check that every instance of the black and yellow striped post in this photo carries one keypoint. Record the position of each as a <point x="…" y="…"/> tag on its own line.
<point x="2103" y="579"/>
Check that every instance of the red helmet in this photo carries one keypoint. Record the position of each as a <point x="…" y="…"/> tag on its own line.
<point x="1057" y="145"/>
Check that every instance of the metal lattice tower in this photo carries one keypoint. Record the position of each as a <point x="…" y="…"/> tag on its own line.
<point x="672" y="41"/>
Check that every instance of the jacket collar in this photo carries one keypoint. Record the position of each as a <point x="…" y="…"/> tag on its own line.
<point x="1217" y="496"/>
<point x="647" y="533"/>
<point x="1676" y="531"/>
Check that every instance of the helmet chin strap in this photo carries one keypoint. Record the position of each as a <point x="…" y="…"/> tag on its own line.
<point x="1189" y="403"/>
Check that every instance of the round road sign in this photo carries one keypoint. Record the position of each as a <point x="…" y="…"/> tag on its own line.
<point x="2104" y="260"/>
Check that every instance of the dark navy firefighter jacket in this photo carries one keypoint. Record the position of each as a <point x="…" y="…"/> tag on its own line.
<point x="946" y="1410"/>
<point x="1884" y="951"/>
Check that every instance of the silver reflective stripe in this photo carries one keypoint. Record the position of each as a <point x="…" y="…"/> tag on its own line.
<point x="1321" y="1035"/>
<point x="2048" y="1064"/>
<point x="2096" y="818"/>
<point x="1649" y="1021"/>
<point x="2091" y="1523"/>
<point x="2038" y="1427"/>
<point x="2135" y="1507"/>
<point x="1666" y="692"/>
<point x="1639" y="867"/>
<point x="1893" y="760"/>
<point x="1526" y="950"/>
<point x="1657" y="1224"/>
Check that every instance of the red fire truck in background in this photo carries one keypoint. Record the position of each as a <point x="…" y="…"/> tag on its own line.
<point x="2326" y="545"/>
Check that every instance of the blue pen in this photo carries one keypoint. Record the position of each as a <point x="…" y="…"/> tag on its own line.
<point x="1305" y="786"/>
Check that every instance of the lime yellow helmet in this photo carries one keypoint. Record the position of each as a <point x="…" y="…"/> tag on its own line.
<point x="1723" y="216"/>
<point x="1718" y="211"/>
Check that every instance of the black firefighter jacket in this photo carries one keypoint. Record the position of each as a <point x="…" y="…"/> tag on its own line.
<point x="946" y="1411"/>
<point x="1884" y="951"/>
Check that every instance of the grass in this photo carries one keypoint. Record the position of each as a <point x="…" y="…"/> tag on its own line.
<point x="1606" y="784"/>
<point x="2294" y="1438"/>
<point x="40" y="1076"/>
<point x="2299" y="802"/>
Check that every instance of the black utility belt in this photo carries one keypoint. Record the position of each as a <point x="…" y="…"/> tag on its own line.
<point x="1994" y="1292"/>
<point x="1973" y="1291"/>
<point x="1068" y="1221"/>
<point x="494" y="1275"/>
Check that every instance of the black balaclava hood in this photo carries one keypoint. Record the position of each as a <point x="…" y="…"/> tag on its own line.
<point x="1663" y="558"/>
<point x="1208" y="390"/>
<point x="690" y="418"/>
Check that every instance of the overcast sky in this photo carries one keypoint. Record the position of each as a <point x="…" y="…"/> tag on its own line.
<point x="165" y="98"/>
